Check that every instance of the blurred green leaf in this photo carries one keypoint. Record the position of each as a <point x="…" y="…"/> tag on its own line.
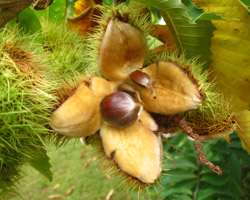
<point x="235" y="167"/>
<point x="244" y="157"/>
<point x="107" y="2"/>
<point x="214" y="179"/>
<point x="246" y="4"/>
<point x="179" y="197"/>
<point x="178" y="175"/>
<point x="56" y="12"/>
<point x="234" y="188"/>
<point x="41" y="164"/>
<point x="177" y="140"/>
<point x="28" y="21"/>
<point x="155" y="15"/>
<point x="182" y="164"/>
<point x="205" y="193"/>
<point x="174" y="190"/>
<point x="225" y="187"/>
<point x="70" y="7"/>
<point x="174" y="7"/>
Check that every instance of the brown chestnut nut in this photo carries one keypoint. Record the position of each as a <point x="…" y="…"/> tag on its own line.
<point x="130" y="90"/>
<point x="120" y="109"/>
<point x="142" y="79"/>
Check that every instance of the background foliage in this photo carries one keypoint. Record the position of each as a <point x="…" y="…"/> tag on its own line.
<point x="189" y="180"/>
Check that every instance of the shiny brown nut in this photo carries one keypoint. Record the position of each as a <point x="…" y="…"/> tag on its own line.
<point x="142" y="79"/>
<point x="120" y="109"/>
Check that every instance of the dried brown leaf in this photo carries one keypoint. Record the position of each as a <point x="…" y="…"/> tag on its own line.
<point x="109" y="194"/>
<point x="69" y="191"/>
<point x="108" y="176"/>
<point x="56" y="186"/>
<point x="56" y="196"/>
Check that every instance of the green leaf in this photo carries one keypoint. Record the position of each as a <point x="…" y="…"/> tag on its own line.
<point x="107" y="2"/>
<point x="235" y="168"/>
<point x="193" y="39"/>
<point x="40" y="162"/>
<point x="235" y="188"/>
<point x="191" y="28"/>
<point x="197" y="13"/>
<point x="70" y="7"/>
<point x="178" y="175"/>
<point x="177" y="140"/>
<point x="205" y="193"/>
<point x="174" y="7"/>
<point x="246" y="4"/>
<point x="183" y="164"/>
<point x="55" y="12"/>
<point x="28" y="21"/>
<point x="214" y="179"/>
<point x="172" y="190"/>
<point x="179" y="197"/>
<point x="184" y="187"/>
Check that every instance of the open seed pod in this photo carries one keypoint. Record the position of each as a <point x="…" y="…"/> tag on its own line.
<point x="123" y="50"/>
<point x="136" y="149"/>
<point x="209" y="126"/>
<point x="171" y="92"/>
<point x="79" y="115"/>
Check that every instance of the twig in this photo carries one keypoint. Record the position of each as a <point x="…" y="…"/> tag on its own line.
<point x="197" y="144"/>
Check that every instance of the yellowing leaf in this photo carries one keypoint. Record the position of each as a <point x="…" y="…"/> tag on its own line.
<point x="83" y="11"/>
<point x="230" y="47"/>
<point x="244" y="129"/>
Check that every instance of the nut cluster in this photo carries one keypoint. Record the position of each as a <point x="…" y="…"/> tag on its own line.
<point x="119" y="106"/>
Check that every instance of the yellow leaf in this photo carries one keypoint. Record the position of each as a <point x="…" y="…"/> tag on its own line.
<point x="230" y="66"/>
<point x="230" y="47"/>
<point x="244" y="129"/>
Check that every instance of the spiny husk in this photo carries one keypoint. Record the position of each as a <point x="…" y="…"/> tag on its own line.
<point x="130" y="138"/>
<point x="66" y="64"/>
<point x="35" y="79"/>
<point x="127" y="181"/>
<point x="217" y="122"/>
<point x="134" y="14"/>
<point x="216" y="117"/>
<point x="66" y="53"/>
<point x="172" y="91"/>
<point x="136" y="150"/>
<point x="25" y="106"/>
<point x="79" y="115"/>
<point x="193" y="69"/>
<point x="122" y="51"/>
